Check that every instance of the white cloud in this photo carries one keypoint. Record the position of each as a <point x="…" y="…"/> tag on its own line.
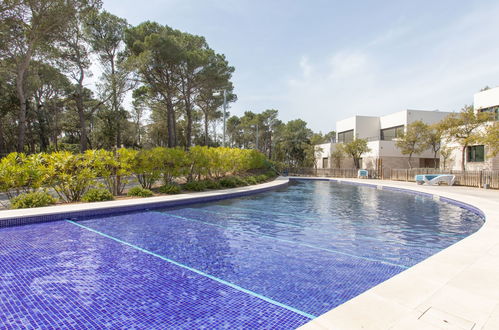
<point x="440" y="69"/>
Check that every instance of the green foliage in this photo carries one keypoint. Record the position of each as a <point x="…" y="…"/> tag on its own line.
<point x="194" y="186"/>
<point x="491" y="139"/>
<point x="114" y="166"/>
<point x="212" y="184"/>
<point x="97" y="195"/>
<point x="228" y="182"/>
<point x="32" y="199"/>
<point x="261" y="178"/>
<point x="140" y="192"/>
<point x="463" y="128"/>
<point x="70" y="175"/>
<point x="250" y="180"/>
<point x="170" y="189"/>
<point x="414" y="140"/>
<point x="355" y="149"/>
<point x="147" y="167"/>
<point x="173" y="163"/>
<point x="19" y="172"/>
<point x="232" y="182"/>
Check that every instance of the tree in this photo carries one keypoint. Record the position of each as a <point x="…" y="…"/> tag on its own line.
<point x="491" y="139"/>
<point x="330" y="137"/>
<point x="155" y="53"/>
<point x="105" y="33"/>
<point x="433" y="138"/>
<point x="445" y="153"/>
<point x="31" y="28"/>
<point x="215" y="77"/>
<point x="463" y="128"/>
<point x="293" y="139"/>
<point x="414" y="140"/>
<point x="355" y="149"/>
<point x="74" y="58"/>
<point x="336" y="156"/>
<point x="313" y="151"/>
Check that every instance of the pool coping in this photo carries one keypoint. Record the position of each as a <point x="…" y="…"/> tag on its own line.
<point x="457" y="288"/>
<point x="17" y="217"/>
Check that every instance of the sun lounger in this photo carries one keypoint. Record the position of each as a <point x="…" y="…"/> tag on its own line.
<point x="362" y="174"/>
<point x="435" y="179"/>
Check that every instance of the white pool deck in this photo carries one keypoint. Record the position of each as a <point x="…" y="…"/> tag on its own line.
<point x="457" y="288"/>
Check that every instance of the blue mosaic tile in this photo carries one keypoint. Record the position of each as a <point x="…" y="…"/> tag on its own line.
<point x="60" y="275"/>
<point x="271" y="260"/>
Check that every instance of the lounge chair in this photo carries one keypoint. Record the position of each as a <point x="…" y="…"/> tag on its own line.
<point x="362" y="174"/>
<point x="435" y="179"/>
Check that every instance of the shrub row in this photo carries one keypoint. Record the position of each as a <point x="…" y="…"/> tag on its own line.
<point x="72" y="175"/>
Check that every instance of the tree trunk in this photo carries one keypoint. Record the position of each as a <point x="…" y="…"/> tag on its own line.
<point x="21" y="77"/>
<point x="170" y="123"/>
<point x="435" y="160"/>
<point x="463" y="153"/>
<point x="188" y="133"/>
<point x="81" y="117"/>
<point x="205" y="128"/>
<point x="409" y="161"/>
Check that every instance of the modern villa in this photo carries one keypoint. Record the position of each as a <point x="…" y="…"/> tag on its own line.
<point x="380" y="133"/>
<point x="476" y="155"/>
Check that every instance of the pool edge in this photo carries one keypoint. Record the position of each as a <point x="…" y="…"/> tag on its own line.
<point x="9" y="218"/>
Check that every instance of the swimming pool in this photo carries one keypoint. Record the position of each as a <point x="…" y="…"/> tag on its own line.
<point x="275" y="259"/>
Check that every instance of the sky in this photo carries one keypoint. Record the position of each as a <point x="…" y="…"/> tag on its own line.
<point x="323" y="61"/>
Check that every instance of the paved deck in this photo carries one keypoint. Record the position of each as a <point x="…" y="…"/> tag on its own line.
<point x="457" y="288"/>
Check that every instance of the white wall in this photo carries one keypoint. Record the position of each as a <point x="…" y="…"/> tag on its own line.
<point x="485" y="99"/>
<point x="322" y="151"/>
<point x="345" y="124"/>
<point x="427" y="117"/>
<point x="394" y="119"/>
<point x="366" y="127"/>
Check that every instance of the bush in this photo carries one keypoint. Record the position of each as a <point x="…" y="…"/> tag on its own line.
<point x="251" y="180"/>
<point x="194" y="186"/>
<point x="70" y="175"/>
<point x="212" y="184"/>
<point x="97" y="195"/>
<point x="262" y="178"/>
<point x="228" y="182"/>
<point x="32" y="199"/>
<point x="240" y="181"/>
<point x="232" y="182"/>
<point x="170" y="189"/>
<point x="139" y="192"/>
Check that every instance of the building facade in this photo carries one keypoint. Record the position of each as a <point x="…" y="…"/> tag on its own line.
<point x="476" y="156"/>
<point x="380" y="132"/>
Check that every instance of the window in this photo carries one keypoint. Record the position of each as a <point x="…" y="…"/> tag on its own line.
<point x="345" y="137"/>
<point x="494" y="110"/>
<point x="388" y="134"/>
<point x="325" y="162"/>
<point x="476" y="154"/>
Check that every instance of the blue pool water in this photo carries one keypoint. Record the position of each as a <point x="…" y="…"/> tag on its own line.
<point x="271" y="260"/>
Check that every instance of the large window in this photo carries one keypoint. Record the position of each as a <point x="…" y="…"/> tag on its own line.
<point x="388" y="134"/>
<point x="494" y="110"/>
<point x="476" y="154"/>
<point x="345" y="137"/>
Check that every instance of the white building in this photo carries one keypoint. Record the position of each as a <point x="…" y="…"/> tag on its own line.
<point x="476" y="155"/>
<point x="380" y="133"/>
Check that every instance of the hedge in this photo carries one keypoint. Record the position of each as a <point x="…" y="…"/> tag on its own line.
<point x="71" y="175"/>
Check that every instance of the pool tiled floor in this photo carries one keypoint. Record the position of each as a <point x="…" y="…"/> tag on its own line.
<point x="61" y="275"/>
